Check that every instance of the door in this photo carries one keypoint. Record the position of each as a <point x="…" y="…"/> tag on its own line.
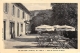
<point x="17" y="29"/>
<point x="4" y="29"/>
<point x="12" y="30"/>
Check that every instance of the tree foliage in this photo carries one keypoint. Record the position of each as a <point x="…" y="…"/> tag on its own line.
<point x="64" y="13"/>
<point x="61" y="14"/>
<point x="40" y="19"/>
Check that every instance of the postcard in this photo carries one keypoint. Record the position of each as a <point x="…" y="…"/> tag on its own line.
<point x="39" y="26"/>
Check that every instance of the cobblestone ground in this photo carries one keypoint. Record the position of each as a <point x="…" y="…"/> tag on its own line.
<point x="29" y="41"/>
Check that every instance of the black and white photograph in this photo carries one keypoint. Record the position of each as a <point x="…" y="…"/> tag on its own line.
<point x="40" y="25"/>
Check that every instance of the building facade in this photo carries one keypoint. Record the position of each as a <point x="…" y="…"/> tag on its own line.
<point x="14" y="17"/>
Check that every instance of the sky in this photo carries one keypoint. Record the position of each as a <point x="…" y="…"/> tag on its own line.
<point x="37" y="6"/>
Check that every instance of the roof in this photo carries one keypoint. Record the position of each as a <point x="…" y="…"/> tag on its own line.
<point x="22" y="7"/>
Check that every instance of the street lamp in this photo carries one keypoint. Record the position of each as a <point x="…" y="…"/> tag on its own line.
<point x="26" y="22"/>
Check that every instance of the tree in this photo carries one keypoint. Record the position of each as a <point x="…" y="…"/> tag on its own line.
<point x="40" y="19"/>
<point x="64" y="13"/>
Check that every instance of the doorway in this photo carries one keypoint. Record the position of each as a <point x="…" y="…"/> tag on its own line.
<point x="17" y="29"/>
<point x="4" y="26"/>
<point x="12" y="30"/>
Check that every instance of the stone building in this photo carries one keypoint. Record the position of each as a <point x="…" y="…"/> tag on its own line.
<point x="14" y="17"/>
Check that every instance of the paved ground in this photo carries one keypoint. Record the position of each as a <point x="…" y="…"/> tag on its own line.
<point x="26" y="41"/>
<point x="21" y="42"/>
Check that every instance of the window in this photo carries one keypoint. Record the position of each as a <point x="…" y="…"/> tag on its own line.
<point x="18" y="13"/>
<point x="6" y="7"/>
<point x="23" y="15"/>
<point x="13" y="10"/>
<point x="21" y="27"/>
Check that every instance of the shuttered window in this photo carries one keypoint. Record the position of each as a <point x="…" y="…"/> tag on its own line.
<point x="6" y="7"/>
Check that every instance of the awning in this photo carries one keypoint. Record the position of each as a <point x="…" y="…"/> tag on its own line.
<point x="44" y="28"/>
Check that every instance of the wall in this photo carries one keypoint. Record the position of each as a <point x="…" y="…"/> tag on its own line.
<point x="8" y="17"/>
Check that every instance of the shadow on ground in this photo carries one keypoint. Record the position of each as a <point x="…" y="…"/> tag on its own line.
<point x="33" y="34"/>
<point x="25" y="39"/>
